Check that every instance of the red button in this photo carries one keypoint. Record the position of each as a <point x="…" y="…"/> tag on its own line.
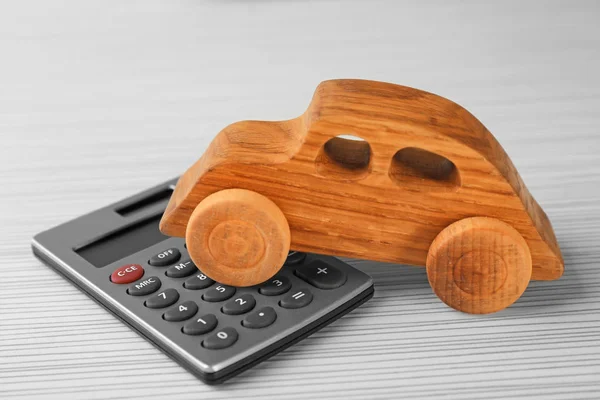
<point x="127" y="274"/>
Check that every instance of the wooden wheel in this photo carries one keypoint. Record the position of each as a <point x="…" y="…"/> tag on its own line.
<point x="238" y="237"/>
<point x="479" y="265"/>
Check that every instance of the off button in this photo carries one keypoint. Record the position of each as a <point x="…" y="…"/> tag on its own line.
<point x="127" y="274"/>
<point x="167" y="257"/>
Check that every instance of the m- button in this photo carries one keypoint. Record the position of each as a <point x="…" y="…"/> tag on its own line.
<point x="181" y="270"/>
<point x="127" y="274"/>
<point x="321" y="275"/>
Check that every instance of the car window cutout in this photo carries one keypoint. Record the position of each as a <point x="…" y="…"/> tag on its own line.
<point x="344" y="157"/>
<point x="423" y="169"/>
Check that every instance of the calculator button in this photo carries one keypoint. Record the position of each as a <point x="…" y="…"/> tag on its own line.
<point x="295" y="257"/>
<point x="163" y="299"/>
<point x="321" y="275"/>
<point x="181" y="270"/>
<point x="260" y="318"/>
<point x="240" y="305"/>
<point x="275" y="286"/>
<point x="218" y="293"/>
<point x="200" y="326"/>
<point x="220" y="340"/>
<point x="164" y="258"/>
<point x="198" y="281"/>
<point x="127" y="274"/>
<point x="297" y="298"/>
<point x="147" y="286"/>
<point x="181" y="312"/>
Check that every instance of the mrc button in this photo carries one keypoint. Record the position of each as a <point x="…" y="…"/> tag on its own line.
<point x="147" y="286"/>
<point x="127" y="274"/>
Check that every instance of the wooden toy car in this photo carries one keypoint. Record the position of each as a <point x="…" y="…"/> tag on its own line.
<point x="421" y="181"/>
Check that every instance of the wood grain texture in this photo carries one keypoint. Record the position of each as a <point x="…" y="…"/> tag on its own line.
<point x="479" y="265"/>
<point x="383" y="199"/>
<point x="100" y="100"/>
<point x="239" y="237"/>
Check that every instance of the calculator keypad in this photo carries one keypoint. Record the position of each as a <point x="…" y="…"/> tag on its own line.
<point x="164" y="258"/>
<point x="275" y="286"/>
<point x="218" y="293"/>
<point x="221" y="339"/>
<point x="321" y="275"/>
<point x="200" y="326"/>
<point x="198" y="282"/>
<point x="297" y="299"/>
<point x="239" y="305"/>
<point x="220" y="316"/>
<point x="163" y="299"/>
<point x="127" y="273"/>
<point x="295" y="257"/>
<point x="144" y="287"/>
<point x="260" y="318"/>
<point x="182" y="269"/>
<point x="317" y="273"/>
<point x="181" y="312"/>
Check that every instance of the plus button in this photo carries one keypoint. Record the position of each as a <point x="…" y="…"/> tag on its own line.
<point x="321" y="274"/>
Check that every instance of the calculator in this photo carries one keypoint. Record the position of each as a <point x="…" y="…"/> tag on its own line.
<point x="118" y="256"/>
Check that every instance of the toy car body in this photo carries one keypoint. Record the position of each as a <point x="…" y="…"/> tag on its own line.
<point x="423" y="163"/>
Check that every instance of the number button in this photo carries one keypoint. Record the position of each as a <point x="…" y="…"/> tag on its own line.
<point x="260" y="318"/>
<point x="200" y="326"/>
<point x="295" y="257"/>
<point x="297" y="299"/>
<point x="163" y="299"/>
<point x="164" y="258"/>
<point x="238" y="306"/>
<point x="218" y="293"/>
<point x="183" y="311"/>
<point x="197" y="282"/>
<point x="321" y="275"/>
<point x="181" y="270"/>
<point x="221" y="340"/>
<point x="276" y="286"/>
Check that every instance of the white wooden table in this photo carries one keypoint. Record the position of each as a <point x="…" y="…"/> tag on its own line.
<point x="99" y="100"/>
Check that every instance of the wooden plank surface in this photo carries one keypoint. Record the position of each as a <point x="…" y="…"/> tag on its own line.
<point x="99" y="100"/>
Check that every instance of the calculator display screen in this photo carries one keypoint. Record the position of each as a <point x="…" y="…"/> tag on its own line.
<point x="122" y="243"/>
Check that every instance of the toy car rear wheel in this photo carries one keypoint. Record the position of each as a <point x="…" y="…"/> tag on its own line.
<point x="479" y="265"/>
<point x="238" y="237"/>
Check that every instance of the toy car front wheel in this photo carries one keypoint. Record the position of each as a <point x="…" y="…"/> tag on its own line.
<point x="238" y="237"/>
<point x="479" y="265"/>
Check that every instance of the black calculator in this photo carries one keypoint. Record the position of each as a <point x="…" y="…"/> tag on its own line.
<point x="118" y="256"/>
